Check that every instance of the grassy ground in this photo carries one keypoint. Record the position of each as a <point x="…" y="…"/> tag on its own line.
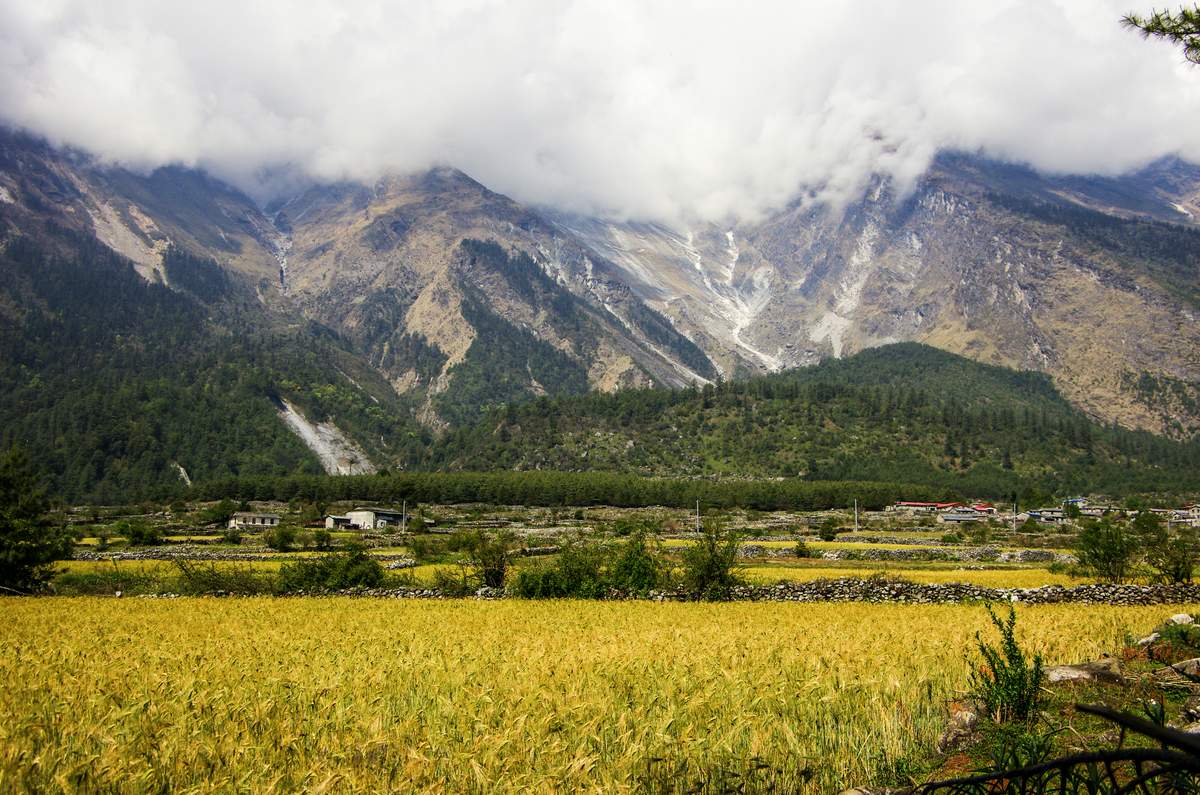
<point x="272" y="695"/>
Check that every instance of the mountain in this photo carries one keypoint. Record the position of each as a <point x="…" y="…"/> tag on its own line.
<point x="899" y="413"/>
<point x="1093" y="281"/>
<point x="384" y="265"/>
<point x="400" y="269"/>
<point x="353" y="327"/>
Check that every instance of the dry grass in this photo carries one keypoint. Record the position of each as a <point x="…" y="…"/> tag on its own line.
<point x="263" y="695"/>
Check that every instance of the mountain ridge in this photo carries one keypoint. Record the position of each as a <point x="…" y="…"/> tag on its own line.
<point x="439" y="301"/>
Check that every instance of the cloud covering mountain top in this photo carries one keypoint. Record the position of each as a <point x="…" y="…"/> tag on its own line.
<point x="642" y="109"/>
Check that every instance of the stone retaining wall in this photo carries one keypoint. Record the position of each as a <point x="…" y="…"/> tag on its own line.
<point x="893" y="591"/>
<point x="184" y="552"/>
<point x="882" y="590"/>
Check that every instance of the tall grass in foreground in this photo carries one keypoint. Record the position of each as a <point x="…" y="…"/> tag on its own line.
<point x="356" y="695"/>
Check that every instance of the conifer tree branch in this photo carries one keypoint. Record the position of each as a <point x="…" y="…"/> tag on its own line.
<point x="1182" y="27"/>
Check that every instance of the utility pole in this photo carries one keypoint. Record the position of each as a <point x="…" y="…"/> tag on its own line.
<point x="403" y="517"/>
<point x="1014" y="513"/>
<point x="856" y="514"/>
<point x="697" y="516"/>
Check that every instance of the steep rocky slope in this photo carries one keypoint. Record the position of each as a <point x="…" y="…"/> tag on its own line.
<point x="390" y="267"/>
<point x="386" y="265"/>
<point x="1094" y="281"/>
<point x="461" y="298"/>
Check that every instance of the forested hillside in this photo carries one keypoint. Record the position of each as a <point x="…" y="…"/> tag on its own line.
<point x="122" y="387"/>
<point x="113" y="383"/>
<point x="900" y="413"/>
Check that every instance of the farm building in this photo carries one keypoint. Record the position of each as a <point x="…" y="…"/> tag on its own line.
<point x="337" y="522"/>
<point x="925" y="507"/>
<point x="244" y="520"/>
<point x="956" y="517"/>
<point x="374" y="518"/>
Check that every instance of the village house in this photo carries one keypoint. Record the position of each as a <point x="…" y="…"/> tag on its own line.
<point x="924" y="507"/>
<point x="1049" y="515"/>
<point x="337" y="522"/>
<point x="956" y="517"/>
<point x="374" y="518"/>
<point x="245" y="520"/>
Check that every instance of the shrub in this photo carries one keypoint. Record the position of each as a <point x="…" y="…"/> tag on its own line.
<point x="539" y="581"/>
<point x="231" y="535"/>
<point x="1107" y="549"/>
<point x="107" y="581"/>
<point x="580" y="568"/>
<point x="576" y="571"/>
<point x="628" y="527"/>
<point x="103" y="536"/>
<point x="453" y="582"/>
<point x="424" y="548"/>
<point x="709" y="564"/>
<point x="322" y="539"/>
<point x="829" y="529"/>
<point x="353" y="568"/>
<point x="1176" y="642"/>
<point x="802" y="551"/>
<point x="490" y="555"/>
<point x="1016" y="747"/>
<point x="1170" y="554"/>
<point x="280" y="538"/>
<point x="636" y="568"/>
<point x="462" y="540"/>
<point x="207" y="577"/>
<point x="978" y="532"/>
<point x="139" y="534"/>
<point x="218" y="513"/>
<point x="1005" y="681"/>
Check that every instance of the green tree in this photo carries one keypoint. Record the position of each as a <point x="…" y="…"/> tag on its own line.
<point x="353" y="568"/>
<point x="636" y="568"/>
<point x="1181" y="27"/>
<point x="709" y="564"/>
<point x="1107" y="548"/>
<point x="29" y="545"/>
<point x="219" y="513"/>
<point x="490" y="556"/>
<point x="280" y="538"/>
<point x="1171" y="554"/>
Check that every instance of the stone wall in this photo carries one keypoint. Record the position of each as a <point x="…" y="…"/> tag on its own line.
<point x="892" y="591"/>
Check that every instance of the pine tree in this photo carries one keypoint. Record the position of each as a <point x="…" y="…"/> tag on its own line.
<point x="1181" y="28"/>
<point x="28" y="544"/>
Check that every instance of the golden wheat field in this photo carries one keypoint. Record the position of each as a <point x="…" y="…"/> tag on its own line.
<point x="346" y="695"/>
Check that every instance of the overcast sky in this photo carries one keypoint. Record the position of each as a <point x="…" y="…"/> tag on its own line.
<point x="643" y="109"/>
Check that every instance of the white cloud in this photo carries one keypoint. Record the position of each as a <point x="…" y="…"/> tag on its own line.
<point x="645" y="108"/>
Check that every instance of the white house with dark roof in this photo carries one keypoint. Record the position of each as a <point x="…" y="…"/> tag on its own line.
<point x="247" y="520"/>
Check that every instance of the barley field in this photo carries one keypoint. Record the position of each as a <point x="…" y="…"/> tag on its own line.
<point x="345" y="695"/>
